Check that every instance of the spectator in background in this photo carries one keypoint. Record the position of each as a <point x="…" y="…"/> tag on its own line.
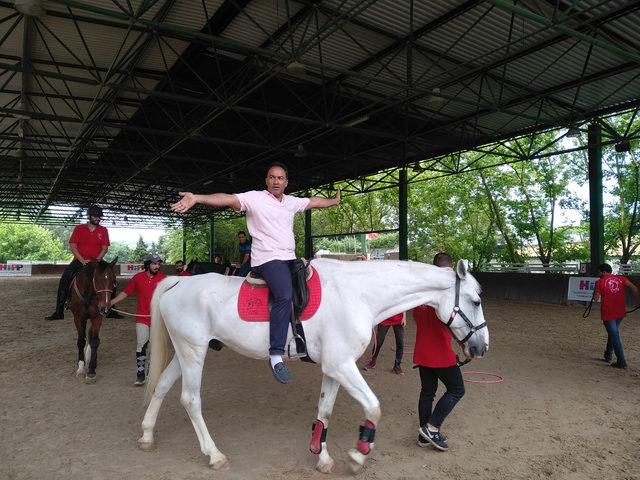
<point x="397" y="322"/>
<point x="609" y="290"/>
<point x="244" y="262"/>
<point x="180" y="269"/>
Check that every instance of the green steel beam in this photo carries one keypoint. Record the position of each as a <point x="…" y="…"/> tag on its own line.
<point x="308" y="239"/>
<point x="596" y="216"/>
<point x="403" y="231"/>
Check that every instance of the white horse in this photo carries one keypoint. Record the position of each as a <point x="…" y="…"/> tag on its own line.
<point x="356" y="296"/>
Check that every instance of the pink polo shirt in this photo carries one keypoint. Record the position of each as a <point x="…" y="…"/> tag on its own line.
<point x="270" y="224"/>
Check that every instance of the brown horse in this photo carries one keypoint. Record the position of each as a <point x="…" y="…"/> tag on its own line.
<point x="89" y="299"/>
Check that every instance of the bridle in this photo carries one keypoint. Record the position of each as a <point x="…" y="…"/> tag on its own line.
<point x="458" y="311"/>
<point x="95" y="289"/>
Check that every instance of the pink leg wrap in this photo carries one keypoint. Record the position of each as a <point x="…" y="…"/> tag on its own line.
<point x="318" y="435"/>
<point x="367" y="436"/>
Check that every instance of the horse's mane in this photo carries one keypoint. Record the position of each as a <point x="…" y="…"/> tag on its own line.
<point x="102" y="265"/>
<point x="368" y="264"/>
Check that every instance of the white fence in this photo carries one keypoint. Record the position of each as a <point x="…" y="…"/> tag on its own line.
<point x="567" y="268"/>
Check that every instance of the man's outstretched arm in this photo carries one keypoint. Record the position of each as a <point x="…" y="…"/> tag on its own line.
<point x="320" y="202"/>
<point x="222" y="200"/>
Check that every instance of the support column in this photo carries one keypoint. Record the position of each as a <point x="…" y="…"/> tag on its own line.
<point x="212" y="238"/>
<point x="308" y="241"/>
<point x="184" y="242"/>
<point x="402" y="215"/>
<point x="596" y="217"/>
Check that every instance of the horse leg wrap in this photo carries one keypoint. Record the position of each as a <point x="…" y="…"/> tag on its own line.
<point x="318" y="435"/>
<point x="367" y="436"/>
<point x="140" y="361"/>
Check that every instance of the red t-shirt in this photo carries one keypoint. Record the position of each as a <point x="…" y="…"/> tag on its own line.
<point x="144" y="285"/>
<point x="433" y="340"/>
<point x="184" y="273"/>
<point x="611" y="289"/>
<point x="391" y="321"/>
<point x="90" y="243"/>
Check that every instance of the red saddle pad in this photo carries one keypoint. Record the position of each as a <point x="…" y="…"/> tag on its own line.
<point x="253" y="302"/>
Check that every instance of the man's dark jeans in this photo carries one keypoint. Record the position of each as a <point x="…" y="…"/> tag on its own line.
<point x="278" y="277"/>
<point x="452" y="379"/>
<point x="614" y="344"/>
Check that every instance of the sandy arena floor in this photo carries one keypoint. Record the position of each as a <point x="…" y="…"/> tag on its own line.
<point x="561" y="412"/>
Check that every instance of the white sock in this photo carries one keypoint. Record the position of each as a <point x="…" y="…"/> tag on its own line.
<point x="275" y="359"/>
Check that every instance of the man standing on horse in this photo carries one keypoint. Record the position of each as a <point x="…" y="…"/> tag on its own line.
<point x="88" y="242"/>
<point x="144" y="284"/>
<point x="270" y="223"/>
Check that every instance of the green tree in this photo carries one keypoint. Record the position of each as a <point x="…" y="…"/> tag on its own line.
<point x="451" y="214"/>
<point x="120" y="250"/>
<point x="620" y="172"/>
<point x="29" y="242"/>
<point x="140" y="251"/>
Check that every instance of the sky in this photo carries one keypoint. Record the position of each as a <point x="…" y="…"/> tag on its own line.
<point x="130" y="235"/>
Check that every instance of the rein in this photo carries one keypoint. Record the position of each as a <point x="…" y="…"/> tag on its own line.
<point x="127" y="313"/>
<point x="587" y="311"/>
<point x="458" y="311"/>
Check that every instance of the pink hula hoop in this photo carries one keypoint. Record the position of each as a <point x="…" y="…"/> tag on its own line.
<point x="497" y="378"/>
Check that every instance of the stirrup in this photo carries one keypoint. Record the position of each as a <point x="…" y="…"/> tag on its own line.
<point x="297" y="354"/>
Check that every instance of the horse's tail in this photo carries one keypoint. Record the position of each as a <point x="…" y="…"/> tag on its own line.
<point x="159" y="340"/>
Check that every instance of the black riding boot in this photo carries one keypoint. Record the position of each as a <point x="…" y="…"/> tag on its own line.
<point x="63" y="289"/>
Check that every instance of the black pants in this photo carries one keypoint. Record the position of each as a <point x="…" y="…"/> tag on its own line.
<point x="452" y="379"/>
<point x="65" y="282"/>
<point x="398" y="331"/>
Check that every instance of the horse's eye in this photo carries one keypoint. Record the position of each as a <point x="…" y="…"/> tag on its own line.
<point x="477" y="304"/>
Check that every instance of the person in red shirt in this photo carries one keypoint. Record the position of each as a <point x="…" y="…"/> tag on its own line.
<point x="88" y="242"/>
<point x="609" y="290"/>
<point x="397" y="322"/>
<point x="144" y="284"/>
<point x="436" y="360"/>
<point x="180" y="269"/>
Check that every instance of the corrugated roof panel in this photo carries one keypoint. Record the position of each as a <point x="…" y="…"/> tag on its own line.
<point x="259" y="20"/>
<point x="339" y="48"/>
<point x="162" y="54"/>
<point x="394" y="16"/>
<point x="95" y="7"/>
<point x="473" y="39"/>
<point x="559" y="64"/>
<point x="57" y="39"/>
<point x="191" y="14"/>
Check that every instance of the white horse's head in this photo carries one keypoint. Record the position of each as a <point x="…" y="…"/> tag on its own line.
<point x="462" y="312"/>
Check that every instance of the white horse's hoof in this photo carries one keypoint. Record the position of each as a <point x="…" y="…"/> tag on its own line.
<point x="356" y="460"/>
<point x="220" y="465"/>
<point x="326" y="466"/>
<point x="145" y="446"/>
<point x="81" y="369"/>
<point x="90" y="378"/>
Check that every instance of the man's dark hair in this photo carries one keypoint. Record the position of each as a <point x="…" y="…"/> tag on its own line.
<point x="442" y="259"/>
<point x="605" y="267"/>
<point x="180" y="261"/>
<point x="242" y="232"/>
<point x="281" y="165"/>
